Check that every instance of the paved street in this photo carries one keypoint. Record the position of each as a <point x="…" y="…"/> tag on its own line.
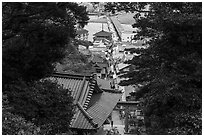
<point x="117" y="123"/>
<point x="116" y="119"/>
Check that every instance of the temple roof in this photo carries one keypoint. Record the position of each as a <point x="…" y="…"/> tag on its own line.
<point x="104" y="84"/>
<point x="102" y="33"/>
<point x="93" y="104"/>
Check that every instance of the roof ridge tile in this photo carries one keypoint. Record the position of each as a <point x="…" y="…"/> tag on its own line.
<point x="87" y="115"/>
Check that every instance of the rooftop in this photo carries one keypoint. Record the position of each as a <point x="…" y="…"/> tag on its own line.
<point x="104" y="84"/>
<point x="81" y="31"/>
<point x="126" y="18"/>
<point x="99" y="20"/>
<point x="103" y="33"/>
<point x="93" y="104"/>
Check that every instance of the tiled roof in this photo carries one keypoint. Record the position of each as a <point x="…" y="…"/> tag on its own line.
<point x="104" y="84"/>
<point x="102" y="105"/>
<point x="75" y="84"/>
<point x="103" y="33"/>
<point x="82" y="88"/>
<point x="99" y="20"/>
<point x="81" y="31"/>
<point x="93" y="104"/>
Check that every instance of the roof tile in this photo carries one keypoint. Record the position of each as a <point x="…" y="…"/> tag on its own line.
<point x="95" y="104"/>
<point x="104" y="105"/>
<point x="103" y="33"/>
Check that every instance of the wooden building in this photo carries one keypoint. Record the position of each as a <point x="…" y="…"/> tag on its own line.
<point x="93" y="104"/>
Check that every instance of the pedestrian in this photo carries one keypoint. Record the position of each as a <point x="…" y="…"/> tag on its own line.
<point x="111" y="123"/>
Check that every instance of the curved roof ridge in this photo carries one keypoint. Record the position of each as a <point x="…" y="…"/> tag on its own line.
<point x="70" y="75"/>
<point x="86" y="114"/>
<point x="102" y="33"/>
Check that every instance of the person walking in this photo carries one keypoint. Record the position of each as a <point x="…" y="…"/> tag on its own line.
<point x="112" y="123"/>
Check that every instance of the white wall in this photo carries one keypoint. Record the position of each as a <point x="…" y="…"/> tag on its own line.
<point x="127" y="37"/>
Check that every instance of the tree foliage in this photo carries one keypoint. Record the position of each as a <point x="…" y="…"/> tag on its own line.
<point x="35" y="37"/>
<point x="75" y="61"/>
<point x="171" y="68"/>
<point x="13" y="124"/>
<point x="44" y="103"/>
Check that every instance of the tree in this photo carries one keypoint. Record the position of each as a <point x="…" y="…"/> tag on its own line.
<point x="44" y="103"/>
<point x="13" y="124"/>
<point x="75" y="61"/>
<point x="170" y="69"/>
<point x="36" y="36"/>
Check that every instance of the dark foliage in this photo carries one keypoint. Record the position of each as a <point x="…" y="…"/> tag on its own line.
<point x="13" y="124"/>
<point x="171" y="68"/>
<point x="44" y="103"/>
<point x="36" y="36"/>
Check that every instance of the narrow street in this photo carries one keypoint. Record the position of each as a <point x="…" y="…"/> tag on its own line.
<point x="117" y="123"/>
<point x="109" y="28"/>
